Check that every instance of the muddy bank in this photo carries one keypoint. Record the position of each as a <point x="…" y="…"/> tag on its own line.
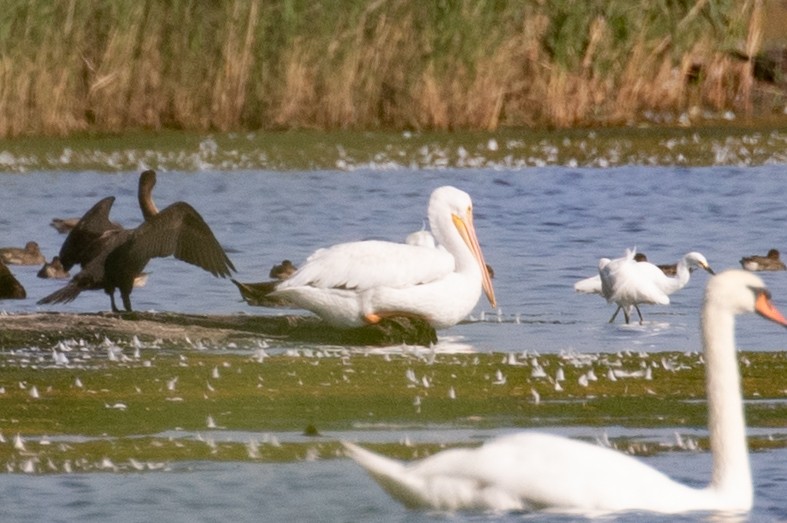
<point x="26" y="330"/>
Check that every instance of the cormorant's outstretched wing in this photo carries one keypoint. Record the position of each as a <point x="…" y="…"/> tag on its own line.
<point x="178" y="230"/>
<point x="79" y="246"/>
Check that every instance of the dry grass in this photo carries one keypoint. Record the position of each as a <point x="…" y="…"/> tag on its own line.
<point x="108" y="66"/>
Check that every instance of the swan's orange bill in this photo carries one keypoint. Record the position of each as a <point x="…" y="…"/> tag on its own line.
<point x="766" y="309"/>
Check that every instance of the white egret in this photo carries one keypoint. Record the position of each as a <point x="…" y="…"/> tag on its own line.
<point x="628" y="283"/>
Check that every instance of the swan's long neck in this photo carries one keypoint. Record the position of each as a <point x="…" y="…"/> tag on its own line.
<point x="731" y="471"/>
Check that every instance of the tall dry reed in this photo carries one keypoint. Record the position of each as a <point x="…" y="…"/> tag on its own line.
<point x="109" y="66"/>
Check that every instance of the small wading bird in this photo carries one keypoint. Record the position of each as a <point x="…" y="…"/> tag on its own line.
<point x="29" y="255"/>
<point x="592" y="284"/>
<point x="112" y="257"/>
<point x="533" y="471"/>
<point x="10" y="288"/>
<point x="359" y="283"/>
<point x="769" y="262"/>
<point x="628" y="283"/>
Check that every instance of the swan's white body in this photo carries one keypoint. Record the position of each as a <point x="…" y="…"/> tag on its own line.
<point x="532" y="471"/>
<point x="356" y="283"/>
<point x="627" y="282"/>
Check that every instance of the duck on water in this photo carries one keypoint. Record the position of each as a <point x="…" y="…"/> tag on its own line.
<point x="30" y="254"/>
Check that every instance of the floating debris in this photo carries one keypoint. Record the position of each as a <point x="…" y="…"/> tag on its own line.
<point x="19" y="443"/>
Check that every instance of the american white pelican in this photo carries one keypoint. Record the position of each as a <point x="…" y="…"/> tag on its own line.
<point x="357" y="283"/>
<point x="628" y="283"/>
<point x="769" y="262"/>
<point x="425" y="239"/>
<point x="259" y="294"/>
<point x="533" y="471"/>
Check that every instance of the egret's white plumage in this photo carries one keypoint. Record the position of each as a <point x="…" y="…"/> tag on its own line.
<point x="592" y="285"/>
<point x="356" y="283"/>
<point x="628" y="283"/>
<point x="532" y="471"/>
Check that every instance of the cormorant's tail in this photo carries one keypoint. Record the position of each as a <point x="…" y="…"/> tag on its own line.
<point x="65" y="295"/>
<point x="258" y="294"/>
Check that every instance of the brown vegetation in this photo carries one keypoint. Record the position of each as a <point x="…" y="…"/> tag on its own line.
<point x="109" y="66"/>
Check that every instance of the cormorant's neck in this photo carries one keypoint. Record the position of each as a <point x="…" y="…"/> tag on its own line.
<point x="146" y="201"/>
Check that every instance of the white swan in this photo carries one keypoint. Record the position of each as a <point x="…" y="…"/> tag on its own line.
<point x="532" y="471"/>
<point x="628" y="283"/>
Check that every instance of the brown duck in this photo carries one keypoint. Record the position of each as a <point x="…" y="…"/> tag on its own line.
<point x="769" y="262"/>
<point x="256" y="294"/>
<point x="29" y="255"/>
<point x="53" y="270"/>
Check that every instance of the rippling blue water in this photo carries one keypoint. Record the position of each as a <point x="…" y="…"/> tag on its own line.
<point x="541" y="229"/>
<point x="330" y="491"/>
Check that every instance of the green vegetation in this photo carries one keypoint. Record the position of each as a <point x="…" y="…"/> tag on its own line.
<point x="110" y="66"/>
<point x="147" y="407"/>
<point x="347" y="150"/>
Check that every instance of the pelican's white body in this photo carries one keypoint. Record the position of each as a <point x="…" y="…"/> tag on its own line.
<point x="346" y="283"/>
<point x="343" y="283"/>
